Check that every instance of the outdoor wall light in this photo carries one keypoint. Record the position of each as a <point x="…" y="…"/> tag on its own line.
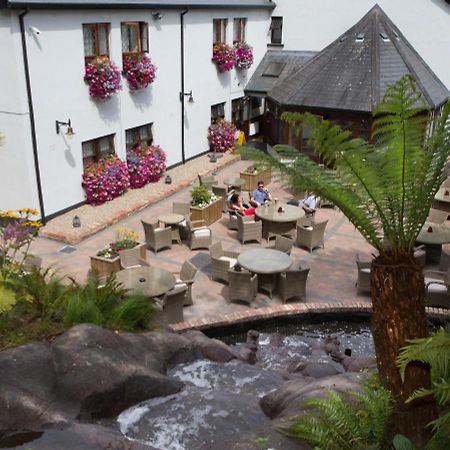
<point x="67" y="124"/>
<point x="187" y="94"/>
<point x="76" y="222"/>
<point x="157" y="15"/>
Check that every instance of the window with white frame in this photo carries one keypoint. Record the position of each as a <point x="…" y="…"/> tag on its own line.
<point x="134" y="37"/>
<point x="95" y="149"/>
<point x="219" y="30"/>
<point x="96" y="40"/>
<point x="239" y="27"/>
<point x="139" y="136"/>
<point x="217" y="112"/>
<point x="276" y="30"/>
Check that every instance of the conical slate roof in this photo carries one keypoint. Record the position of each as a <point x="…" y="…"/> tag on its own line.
<point x="353" y="72"/>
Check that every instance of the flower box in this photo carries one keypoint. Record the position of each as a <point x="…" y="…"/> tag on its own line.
<point x="251" y="179"/>
<point x="210" y="213"/>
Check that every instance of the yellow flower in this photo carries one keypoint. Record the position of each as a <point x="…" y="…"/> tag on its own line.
<point x="125" y="234"/>
<point x="9" y="214"/>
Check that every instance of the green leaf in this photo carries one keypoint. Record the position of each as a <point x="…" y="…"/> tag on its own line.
<point x="403" y="443"/>
<point x="7" y="299"/>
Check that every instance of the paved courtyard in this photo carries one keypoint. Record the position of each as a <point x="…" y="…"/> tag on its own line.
<point x="331" y="280"/>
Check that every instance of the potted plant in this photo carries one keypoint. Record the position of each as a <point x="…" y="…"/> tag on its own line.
<point x="146" y="164"/>
<point x="107" y="260"/>
<point x="221" y="136"/>
<point x="223" y="56"/>
<point x="243" y="55"/>
<point x="205" y="205"/>
<point x="103" y="78"/>
<point x="253" y="174"/>
<point x="105" y="180"/>
<point x="139" y="71"/>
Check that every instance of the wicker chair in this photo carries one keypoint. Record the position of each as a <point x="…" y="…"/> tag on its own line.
<point x="222" y="192"/>
<point x="437" y="216"/>
<point x="312" y="236"/>
<point x="199" y="235"/>
<point x="363" y="281"/>
<point x="437" y="286"/>
<point x="292" y="284"/>
<point x="186" y="278"/>
<point x="132" y="257"/>
<point x="173" y="302"/>
<point x="249" y="229"/>
<point x="233" y="221"/>
<point x="157" y="238"/>
<point x="283" y="244"/>
<point x="185" y="210"/>
<point x="207" y="180"/>
<point x="221" y="261"/>
<point x="242" y="286"/>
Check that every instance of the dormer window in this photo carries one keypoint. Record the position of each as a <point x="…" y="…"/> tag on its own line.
<point x="384" y="37"/>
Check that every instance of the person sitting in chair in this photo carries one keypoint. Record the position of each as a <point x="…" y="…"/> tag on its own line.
<point x="260" y="195"/>
<point x="308" y="203"/>
<point x="237" y="204"/>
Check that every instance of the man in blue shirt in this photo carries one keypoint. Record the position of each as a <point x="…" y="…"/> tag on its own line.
<point x="260" y="195"/>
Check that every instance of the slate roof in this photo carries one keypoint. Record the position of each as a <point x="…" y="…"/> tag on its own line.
<point x="160" y="4"/>
<point x="353" y="74"/>
<point x="287" y="61"/>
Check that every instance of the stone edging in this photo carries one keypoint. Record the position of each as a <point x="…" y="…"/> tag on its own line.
<point x="286" y="310"/>
<point x="120" y="215"/>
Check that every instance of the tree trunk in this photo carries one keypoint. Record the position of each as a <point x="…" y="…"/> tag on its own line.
<point x="398" y="294"/>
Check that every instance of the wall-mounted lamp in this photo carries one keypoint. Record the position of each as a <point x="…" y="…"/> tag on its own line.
<point x="67" y="124"/>
<point x="187" y="94"/>
<point x="157" y="15"/>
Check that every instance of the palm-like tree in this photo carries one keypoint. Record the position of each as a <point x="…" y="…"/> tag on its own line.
<point x="385" y="189"/>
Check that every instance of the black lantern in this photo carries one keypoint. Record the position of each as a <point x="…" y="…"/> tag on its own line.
<point x="76" y="222"/>
<point x="168" y="179"/>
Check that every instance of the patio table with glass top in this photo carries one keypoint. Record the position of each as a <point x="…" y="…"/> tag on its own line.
<point x="433" y="236"/>
<point x="267" y="263"/>
<point x="275" y="222"/>
<point x="173" y="220"/>
<point x="148" y="281"/>
<point x="234" y="183"/>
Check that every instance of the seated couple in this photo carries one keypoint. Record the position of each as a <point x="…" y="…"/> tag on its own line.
<point x="240" y="207"/>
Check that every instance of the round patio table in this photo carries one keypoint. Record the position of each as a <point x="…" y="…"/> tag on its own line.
<point x="149" y="281"/>
<point x="275" y="222"/>
<point x="442" y="199"/>
<point x="433" y="236"/>
<point x="234" y="182"/>
<point x="267" y="263"/>
<point x="173" y="220"/>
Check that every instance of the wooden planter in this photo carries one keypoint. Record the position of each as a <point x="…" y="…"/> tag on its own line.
<point x="209" y="214"/>
<point x="104" y="266"/>
<point x="251" y="179"/>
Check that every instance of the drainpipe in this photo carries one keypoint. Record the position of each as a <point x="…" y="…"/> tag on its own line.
<point x="185" y="11"/>
<point x="31" y="112"/>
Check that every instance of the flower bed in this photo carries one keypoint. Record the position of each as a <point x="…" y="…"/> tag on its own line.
<point x="243" y="55"/>
<point x="205" y="205"/>
<point x="146" y="164"/>
<point x="105" y="180"/>
<point x="223" y="56"/>
<point x="221" y="136"/>
<point x="103" y="78"/>
<point x="139" y="71"/>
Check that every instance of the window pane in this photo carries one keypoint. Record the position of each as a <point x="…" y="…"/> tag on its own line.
<point x="134" y="38"/>
<point x="144" y="36"/>
<point x="88" y="150"/>
<point x="106" y="145"/>
<point x="216" y="30"/>
<point x="237" y="30"/>
<point x="103" y="38"/>
<point x="223" y="30"/>
<point x="125" y="40"/>
<point x="276" y="28"/>
<point x="89" y="40"/>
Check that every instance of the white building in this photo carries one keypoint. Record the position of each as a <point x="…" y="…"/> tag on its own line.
<point x="44" y="41"/>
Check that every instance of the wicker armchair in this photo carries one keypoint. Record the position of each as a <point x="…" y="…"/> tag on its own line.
<point x="222" y="192"/>
<point x="133" y="257"/>
<point x="186" y="278"/>
<point x="312" y="236"/>
<point x="249" y="229"/>
<point x="221" y="261"/>
<point x="283" y="244"/>
<point x="199" y="235"/>
<point x="207" y="180"/>
<point x="363" y="281"/>
<point x="242" y="286"/>
<point x="437" y="216"/>
<point x="292" y="284"/>
<point x="173" y="302"/>
<point x="233" y="221"/>
<point x="157" y="238"/>
<point x="185" y="210"/>
<point x="437" y="286"/>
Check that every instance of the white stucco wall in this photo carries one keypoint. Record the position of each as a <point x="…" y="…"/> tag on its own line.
<point x="312" y="25"/>
<point x="56" y="61"/>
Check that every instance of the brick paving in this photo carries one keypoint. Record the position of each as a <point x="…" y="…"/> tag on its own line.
<point x="330" y="286"/>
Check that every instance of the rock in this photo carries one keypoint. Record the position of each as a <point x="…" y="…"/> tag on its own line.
<point x="247" y="351"/>
<point x="286" y="401"/>
<point x="352" y="364"/>
<point x="212" y="349"/>
<point x="319" y="370"/>
<point x="332" y="344"/>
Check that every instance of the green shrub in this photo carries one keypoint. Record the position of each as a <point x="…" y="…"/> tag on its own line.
<point x="132" y="314"/>
<point x="201" y="196"/>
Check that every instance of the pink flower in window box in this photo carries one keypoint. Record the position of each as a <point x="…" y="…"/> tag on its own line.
<point x="223" y="56"/>
<point x="146" y="164"/>
<point x="139" y="71"/>
<point x="243" y="55"/>
<point x="221" y="136"/>
<point x="103" y="78"/>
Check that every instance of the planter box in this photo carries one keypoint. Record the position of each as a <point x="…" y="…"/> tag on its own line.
<point x="210" y="214"/>
<point x="105" y="266"/>
<point x="251" y="179"/>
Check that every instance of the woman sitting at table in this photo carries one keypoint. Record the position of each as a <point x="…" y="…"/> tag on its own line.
<point x="237" y="204"/>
